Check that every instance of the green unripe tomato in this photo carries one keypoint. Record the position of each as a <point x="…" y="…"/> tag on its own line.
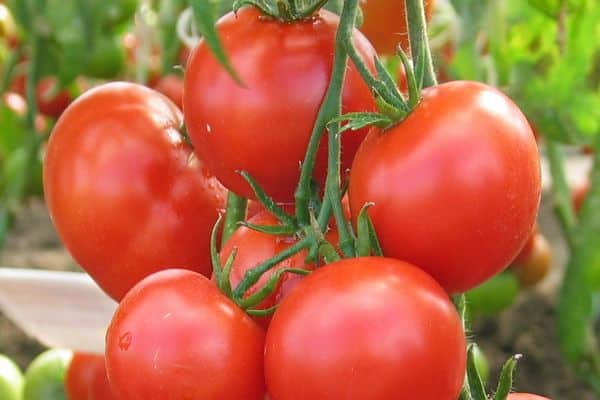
<point x="45" y="376"/>
<point x="494" y="295"/>
<point x="11" y="379"/>
<point x="107" y="58"/>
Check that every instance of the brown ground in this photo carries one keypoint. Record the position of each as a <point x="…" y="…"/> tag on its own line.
<point x="527" y="328"/>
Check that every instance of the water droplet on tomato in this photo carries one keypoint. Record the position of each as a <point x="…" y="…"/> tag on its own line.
<point x="125" y="341"/>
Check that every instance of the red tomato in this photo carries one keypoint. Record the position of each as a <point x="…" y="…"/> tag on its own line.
<point x="525" y="396"/>
<point x="175" y="336"/>
<point x="125" y="192"/>
<point x="384" y="23"/>
<point x="264" y="127"/>
<point x="365" y="328"/>
<point x="86" y="378"/>
<point x="456" y="185"/>
<point x="255" y="247"/>
<point x="51" y="100"/>
<point x="172" y="87"/>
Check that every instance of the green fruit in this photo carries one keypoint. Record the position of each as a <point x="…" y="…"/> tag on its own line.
<point x="11" y="379"/>
<point x="494" y="295"/>
<point x="45" y="377"/>
<point x="107" y="59"/>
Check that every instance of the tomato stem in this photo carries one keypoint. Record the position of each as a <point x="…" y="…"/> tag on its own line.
<point x="236" y="212"/>
<point x="561" y="192"/>
<point x="419" y="41"/>
<point x="253" y="275"/>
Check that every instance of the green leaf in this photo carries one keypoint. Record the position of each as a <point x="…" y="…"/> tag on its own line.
<point x="506" y="378"/>
<point x="205" y="15"/>
<point x="359" y="120"/>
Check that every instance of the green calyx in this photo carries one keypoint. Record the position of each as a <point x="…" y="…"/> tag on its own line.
<point x="283" y="10"/>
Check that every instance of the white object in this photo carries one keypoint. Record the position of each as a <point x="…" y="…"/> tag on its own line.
<point x="59" y="309"/>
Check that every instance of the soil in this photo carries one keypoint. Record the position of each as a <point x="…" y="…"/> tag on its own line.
<point x="527" y="328"/>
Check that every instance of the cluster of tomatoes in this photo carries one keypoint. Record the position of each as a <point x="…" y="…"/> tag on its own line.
<point x="452" y="193"/>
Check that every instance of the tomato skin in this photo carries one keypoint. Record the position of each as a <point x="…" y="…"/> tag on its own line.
<point x="456" y="185"/>
<point x="384" y="24"/>
<point x="255" y="247"/>
<point x="48" y="102"/>
<point x="124" y="190"/>
<point x="286" y="69"/>
<point x="525" y="396"/>
<point x="175" y="336"/>
<point x="86" y="378"/>
<point x="526" y="251"/>
<point x="172" y="87"/>
<point x="365" y="328"/>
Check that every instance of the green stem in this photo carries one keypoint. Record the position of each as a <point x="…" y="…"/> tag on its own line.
<point x="236" y="212"/>
<point x="253" y="275"/>
<point x="419" y="42"/>
<point x="9" y="68"/>
<point x="330" y="108"/>
<point x="561" y="192"/>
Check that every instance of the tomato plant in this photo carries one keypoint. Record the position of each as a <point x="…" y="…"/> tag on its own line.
<point x="531" y="270"/>
<point x="86" y="378"/>
<point x="384" y="24"/>
<point x="365" y="328"/>
<point x="263" y="127"/>
<point x="176" y="331"/>
<point x="125" y="192"/>
<point x="494" y="295"/>
<point x="455" y="186"/>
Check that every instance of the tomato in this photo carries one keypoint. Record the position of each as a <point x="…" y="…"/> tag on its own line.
<point x="175" y="336"/>
<point x="11" y="379"/>
<point x="384" y="23"/>
<point x="525" y="396"/>
<point x="125" y="191"/>
<point x="494" y="295"/>
<point x="533" y="269"/>
<point x="172" y="87"/>
<point x="253" y="248"/>
<point x="264" y="127"/>
<point x="365" y="328"/>
<point x="45" y="376"/>
<point x="86" y="378"/>
<point x="107" y="59"/>
<point x="51" y="100"/>
<point x="456" y="185"/>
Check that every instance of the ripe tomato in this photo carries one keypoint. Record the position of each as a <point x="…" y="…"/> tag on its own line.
<point x="525" y="396"/>
<point x="86" y="378"/>
<point x="365" y="328"/>
<point x="125" y="192"/>
<point x="456" y="185"/>
<point x="531" y="270"/>
<point x="50" y="102"/>
<point x="255" y="247"/>
<point x="175" y="336"/>
<point x="264" y="127"/>
<point x="384" y="23"/>
<point x="172" y="87"/>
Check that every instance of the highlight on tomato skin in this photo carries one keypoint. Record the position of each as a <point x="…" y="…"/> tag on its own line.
<point x="525" y="396"/>
<point x="342" y="333"/>
<point x="176" y="336"/>
<point x="124" y="190"/>
<point x="455" y="191"/>
<point x="264" y="127"/>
